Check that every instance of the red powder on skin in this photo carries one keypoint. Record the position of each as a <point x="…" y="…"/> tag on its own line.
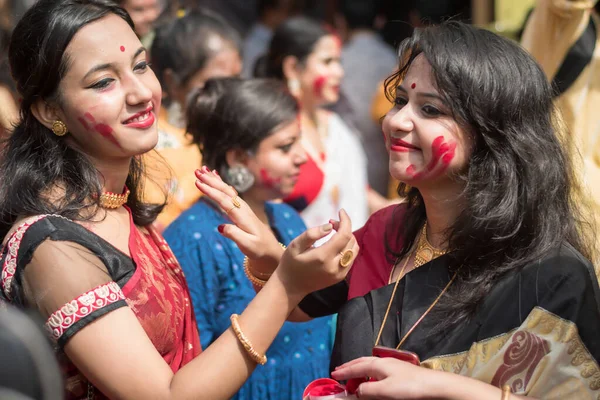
<point x="122" y="48"/>
<point x="414" y="85"/>
<point x="267" y="179"/>
<point x="441" y="153"/>
<point x="318" y="85"/>
<point x="103" y="129"/>
<point x="85" y="125"/>
<point x="90" y="117"/>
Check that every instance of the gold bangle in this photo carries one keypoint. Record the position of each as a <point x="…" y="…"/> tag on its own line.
<point x="257" y="278"/>
<point x="255" y="281"/>
<point x="235" y="325"/>
<point x="505" y="392"/>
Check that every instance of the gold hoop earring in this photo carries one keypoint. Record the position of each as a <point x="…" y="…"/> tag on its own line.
<point x="59" y="128"/>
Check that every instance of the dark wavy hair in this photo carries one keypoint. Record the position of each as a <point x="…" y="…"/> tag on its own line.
<point x="33" y="159"/>
<point x="182" y="44"/>
<point x="295" y="37"/>
<point x="521" y="196"/>
<point x="232" y="113"/>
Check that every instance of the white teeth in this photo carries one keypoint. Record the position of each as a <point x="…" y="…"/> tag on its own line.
<point x="142" y="117"/>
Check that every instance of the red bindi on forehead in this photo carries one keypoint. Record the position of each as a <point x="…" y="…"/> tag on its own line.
<point x="414" y="85"/>
<point x="122" y="48"/>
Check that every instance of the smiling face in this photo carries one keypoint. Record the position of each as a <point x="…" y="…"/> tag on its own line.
<point x="426" y="145"/>
<point x="109" y="97"/>
<point x="322" y="74"/>
<point x="276" y="163"/>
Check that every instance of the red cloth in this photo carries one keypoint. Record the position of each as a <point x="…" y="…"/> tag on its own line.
<point x="159" y="297"/>
<point x="309" y="184"/>
<point x="372" y="267"/>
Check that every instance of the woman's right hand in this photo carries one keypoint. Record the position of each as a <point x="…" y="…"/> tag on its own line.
<point x="305" y="269"/>
<point x="253" y="237"/>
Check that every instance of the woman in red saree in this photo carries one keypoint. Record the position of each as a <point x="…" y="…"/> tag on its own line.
<point x="78" y="244"/>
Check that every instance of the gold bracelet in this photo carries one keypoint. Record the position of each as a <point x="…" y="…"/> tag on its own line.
<point x="257" y="279"/>
<point x="235" y="325"/>
<point x="505" y="392"/>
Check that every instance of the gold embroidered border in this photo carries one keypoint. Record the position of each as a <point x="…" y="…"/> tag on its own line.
<point x="538" y="321"/>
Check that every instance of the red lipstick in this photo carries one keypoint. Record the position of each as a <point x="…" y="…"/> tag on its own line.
<point x="141" y="120"/>
<point x="401" y="146"/>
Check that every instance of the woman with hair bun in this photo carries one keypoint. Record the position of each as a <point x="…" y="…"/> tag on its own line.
<point x="185" y="52"/>
<point x="248" y="131"/>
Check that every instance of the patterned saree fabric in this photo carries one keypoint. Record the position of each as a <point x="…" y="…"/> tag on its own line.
<point x="73" y="277"/>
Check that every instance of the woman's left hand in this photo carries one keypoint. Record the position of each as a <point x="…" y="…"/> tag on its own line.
<point x="254" y="238"/>
<point x="395" y="379"/>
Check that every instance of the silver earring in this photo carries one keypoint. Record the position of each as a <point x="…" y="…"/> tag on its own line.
<point x="239" y="177"/>
<point x="293" y="86"/>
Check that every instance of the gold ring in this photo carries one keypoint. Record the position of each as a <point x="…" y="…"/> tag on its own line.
<point x="346" y="257"/>
<point x="236" y="202"/>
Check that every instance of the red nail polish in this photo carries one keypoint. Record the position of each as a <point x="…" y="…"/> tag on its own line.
<point x="216" y="172"/>
<point x="205" y="169"/>
<point x="221" y="228"/>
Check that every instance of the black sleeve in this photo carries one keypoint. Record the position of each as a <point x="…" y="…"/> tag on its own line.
<point x="325" y="301"/>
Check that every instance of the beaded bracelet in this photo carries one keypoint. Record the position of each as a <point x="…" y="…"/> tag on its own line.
<point x="235" y="325"/>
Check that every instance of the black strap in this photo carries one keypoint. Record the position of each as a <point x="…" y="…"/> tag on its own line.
<point x="578" y="57"/>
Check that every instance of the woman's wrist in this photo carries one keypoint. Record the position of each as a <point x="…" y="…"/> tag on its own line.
<point x="294" y="293"/>
<point x="263" y="267"/>
<point x="449" y="386"/>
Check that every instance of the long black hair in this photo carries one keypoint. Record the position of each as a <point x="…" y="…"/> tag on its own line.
<point x="296" y="37"/>
<point x="34" y="161"/>
<point x="232" y="113"/>
<point x="520" y="195"/>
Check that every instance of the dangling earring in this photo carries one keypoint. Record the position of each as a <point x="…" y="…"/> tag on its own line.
<point x="59" y="128"/>
<point x="239" y="177"/>
<point x="293" y="86"/>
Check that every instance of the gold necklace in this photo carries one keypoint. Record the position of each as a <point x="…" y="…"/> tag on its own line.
<point x="112" y="200"/>
<point x="427" y="255"/>
<point x="425" y="251"/>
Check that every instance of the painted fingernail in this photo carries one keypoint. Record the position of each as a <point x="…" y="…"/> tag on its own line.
<point x="215" y="172"/>
<point x="221" y="228"/>
<point x="205" y="169"/>
<point x="327" y="227"/>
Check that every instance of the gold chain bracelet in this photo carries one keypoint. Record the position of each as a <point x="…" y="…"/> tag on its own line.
<point x="235" y="325"/>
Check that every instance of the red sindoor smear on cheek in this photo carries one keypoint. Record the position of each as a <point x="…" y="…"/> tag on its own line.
<point x="267" y="179"/>
<point x="85" y="125"/>
<point x="103" y="129"/>
<point x="122" y="48"/>
<point x="441" y="153"/>
<point x="319" y="84"/>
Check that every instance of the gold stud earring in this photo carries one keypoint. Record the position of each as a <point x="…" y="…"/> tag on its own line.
<point x="59" y="128"/>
